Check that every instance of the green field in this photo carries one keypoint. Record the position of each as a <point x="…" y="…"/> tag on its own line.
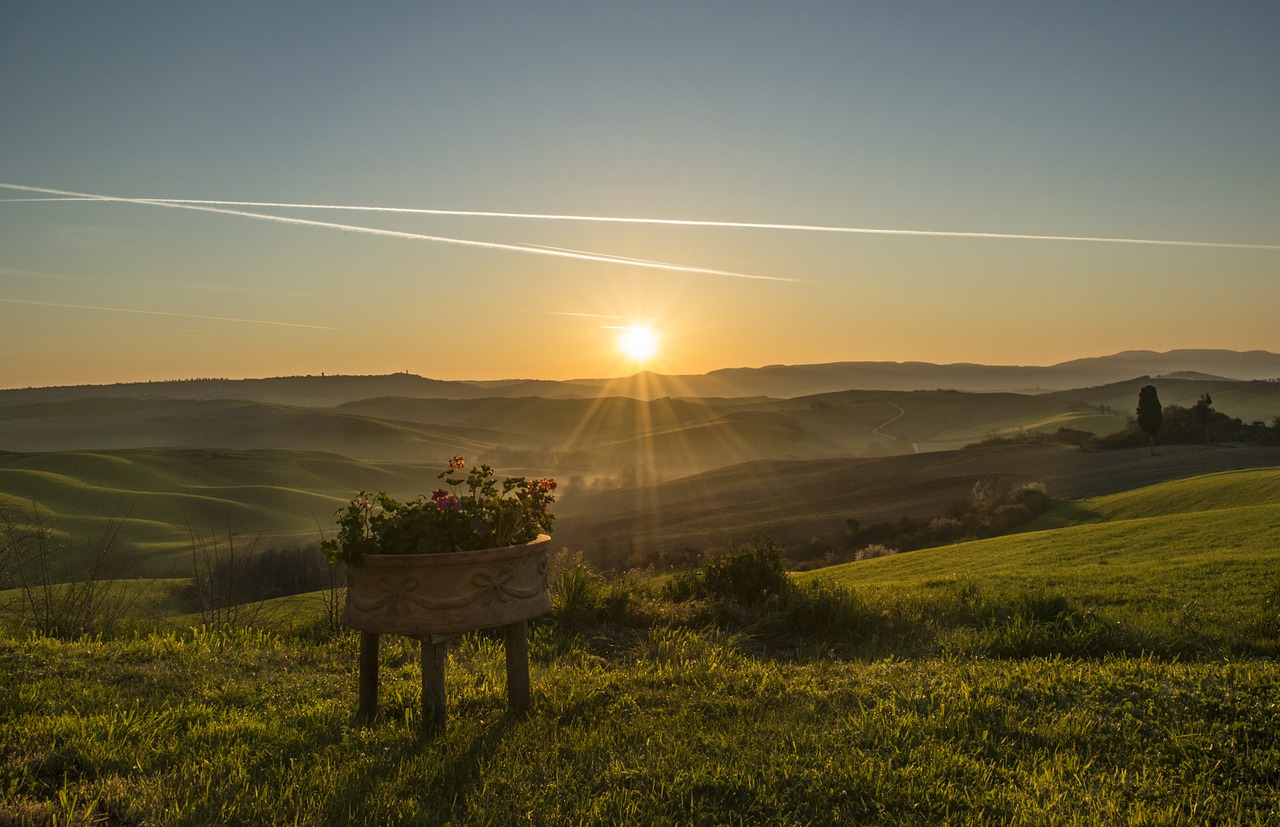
<point x="1120" y="668"/>
<point x="1190" y="565"/>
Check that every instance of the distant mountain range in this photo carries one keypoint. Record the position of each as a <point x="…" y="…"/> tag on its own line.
<point x="778" y="381"/>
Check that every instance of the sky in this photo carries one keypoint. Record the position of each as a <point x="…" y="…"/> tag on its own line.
<point x="1005" y="139"/>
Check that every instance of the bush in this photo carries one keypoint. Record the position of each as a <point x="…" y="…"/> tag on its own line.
<point x="1034" y="497"/>
<point x="62" y="591"/>
<point x="943" y="530"/>
<point x="745" y="575"/>
<point x="1007" y="516"/>
<point x="873" y="551"/>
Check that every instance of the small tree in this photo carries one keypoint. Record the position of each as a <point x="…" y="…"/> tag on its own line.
<point x="1203" y="409"/>
<point x="1150" y="415"/>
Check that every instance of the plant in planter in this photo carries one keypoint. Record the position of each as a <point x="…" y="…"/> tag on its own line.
<point x="470" y="556"/>
<point x="450" y="520"/>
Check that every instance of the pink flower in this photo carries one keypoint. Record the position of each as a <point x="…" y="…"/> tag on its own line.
<point x="455" y="464"/>
<point x="438" y="495"/>
<point x="362" y="502"/>
<point x="448" y="503"/>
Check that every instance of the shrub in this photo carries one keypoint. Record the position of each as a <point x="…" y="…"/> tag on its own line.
<point x="943" y="530"/>
<point x="745" y="575"/>
<point x="873" y="551"/>
<point x="1007" y="516"/>
<point x="61" y="591"/>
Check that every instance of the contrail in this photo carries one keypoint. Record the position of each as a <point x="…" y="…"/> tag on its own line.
<point x="491" y="245"/>
<point x="648" y="262"/>
<point x="679" y="222"/>
<point x="165" y="313"/>
<point x="213" y="288"/>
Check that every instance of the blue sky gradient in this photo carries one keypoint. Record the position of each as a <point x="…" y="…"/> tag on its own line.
<point x="1135" y="120"/>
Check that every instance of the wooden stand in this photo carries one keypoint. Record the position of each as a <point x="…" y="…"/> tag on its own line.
<point x="432" y="597"/>
<point x="515" y="638"/>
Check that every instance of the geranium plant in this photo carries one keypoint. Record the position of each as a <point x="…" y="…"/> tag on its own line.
<point x="472" y="513"/>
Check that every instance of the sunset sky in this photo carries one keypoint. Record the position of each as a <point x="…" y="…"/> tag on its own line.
<point x="980" y="127"/>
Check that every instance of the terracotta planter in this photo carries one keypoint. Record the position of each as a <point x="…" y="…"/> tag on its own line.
<point x="437" y="594"/>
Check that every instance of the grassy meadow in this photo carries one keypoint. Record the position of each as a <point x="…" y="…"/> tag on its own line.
<point x="1119" y="665"/>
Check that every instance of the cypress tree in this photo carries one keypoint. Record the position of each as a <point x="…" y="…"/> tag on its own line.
<point x="1150" y="414"/>
<point x="1203" y="409"/>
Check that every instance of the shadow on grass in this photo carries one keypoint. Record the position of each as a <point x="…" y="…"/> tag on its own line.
<point x="1067" y="514"/>
<point x="820" y="620"/>
<point x="413" y="757"/>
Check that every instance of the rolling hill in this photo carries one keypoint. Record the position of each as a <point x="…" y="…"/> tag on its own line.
<point x="639" y="473"/>
<point x="771" y="380"/>
<point x="1195" y="558"/>
<point x="608" y="436"/>
<point x="1247" y="401"/>
<point x="158" y="422"/>
<point x="162" y="496"/>
<point x="793" y="501"/>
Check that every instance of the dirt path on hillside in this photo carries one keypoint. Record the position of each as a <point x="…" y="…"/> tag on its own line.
<point x="915" y="449"/>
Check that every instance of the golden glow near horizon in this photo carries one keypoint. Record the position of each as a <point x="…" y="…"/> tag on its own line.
<point x="306" y="242"/>
<point x="639" y="343"/>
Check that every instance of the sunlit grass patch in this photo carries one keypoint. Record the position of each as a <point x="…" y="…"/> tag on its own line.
<point x="690" y="727"/>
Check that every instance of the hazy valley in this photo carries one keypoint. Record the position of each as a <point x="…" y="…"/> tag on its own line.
<point x="1140" y="598"/>
<point x="274" y="457"/>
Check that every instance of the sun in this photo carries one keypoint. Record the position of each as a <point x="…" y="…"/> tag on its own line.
<point x="639" y="344"/>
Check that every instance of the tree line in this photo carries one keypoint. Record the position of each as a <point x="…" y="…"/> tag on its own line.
<point x="1199" y="424"/>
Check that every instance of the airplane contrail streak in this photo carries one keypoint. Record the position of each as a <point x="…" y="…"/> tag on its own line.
<point x="465" y="242"/>
<point x="213" y="288"/>
<point x="165" y="313"/>
<point x="679" y="222"/>
<point x="643" y="262"/>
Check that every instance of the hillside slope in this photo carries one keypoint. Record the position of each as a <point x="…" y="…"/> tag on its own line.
<point x="157" y="422"/>
<point x="163" y="495"/>
<point x="609" y="436"/>
<point x="793" y="501"/>
<point x="1247" y="401"/>
<point x="1197" y="557"/>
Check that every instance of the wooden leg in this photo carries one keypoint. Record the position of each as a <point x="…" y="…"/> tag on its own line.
<point x="516" y="638"/>
<point x="368" y="676"/>
<point x="434" y="714"/>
